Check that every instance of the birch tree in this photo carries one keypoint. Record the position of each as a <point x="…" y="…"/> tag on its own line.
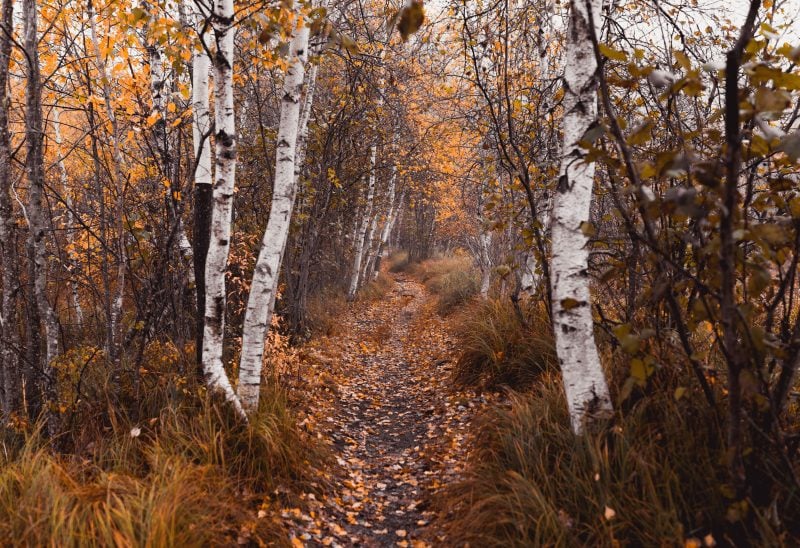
<point x="37" y="220"/>
<point x="265" y="277"/>
<point x="118" y="183"/>
<point x="203" y="177"/>
<point x="363" y="227"/>
<point x="222" y="19"/>
<point x="583" y="377"/>
<point x="73" y="264"/>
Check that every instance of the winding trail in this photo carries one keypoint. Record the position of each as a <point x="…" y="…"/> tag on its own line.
<point x="397" y="427"/>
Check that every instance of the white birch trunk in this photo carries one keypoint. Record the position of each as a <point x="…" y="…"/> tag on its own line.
<point x="361" y="235"/>
<point x="485" y="242"/>
<point x="584" y="380"/>
<point x="265" y="276"/>
<point x="201" y="119"/>
<point x="369" y="251"/>
<point x="73" y="265"/>
<point x="380" y="252"/>
<point x="529" y="279"/>
<point x="222" y="214"/>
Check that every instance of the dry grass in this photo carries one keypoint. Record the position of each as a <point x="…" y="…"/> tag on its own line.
<point x="323" y="312"/>
<point x="453" y="279"/>
<point x="653" y="479"/>
<point x="189" y="475"/>
<point x="498" y="349"/>
<point x="377" y="288"/>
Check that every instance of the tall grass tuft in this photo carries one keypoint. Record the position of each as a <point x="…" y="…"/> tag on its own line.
<point x="377" y="288"/>
<point x="453" y="279"/>
<point x="653" y="479"/>
<point x="190" y="474"/>
<point x="497" y="348"/>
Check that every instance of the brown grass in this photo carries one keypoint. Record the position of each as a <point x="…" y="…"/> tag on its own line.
<point x="654" y="478"/>
<point x="498" y="349"/>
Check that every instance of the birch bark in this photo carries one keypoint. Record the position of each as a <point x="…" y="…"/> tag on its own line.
<point x="37" y="221"/>
<point x="265" y="276"/>
<point x="583" y="377"/>
<point x="375" y="265"/>
<point x="222" y="20"/>
<point x="361" y="235"/>
<point x="485" y="243"/>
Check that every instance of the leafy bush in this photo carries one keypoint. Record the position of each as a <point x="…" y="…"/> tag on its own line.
<point x="498" y="349"/>
<point x="653" y="479"/>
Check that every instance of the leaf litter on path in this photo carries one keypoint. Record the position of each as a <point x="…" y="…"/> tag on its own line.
<point x="380" y="394"/>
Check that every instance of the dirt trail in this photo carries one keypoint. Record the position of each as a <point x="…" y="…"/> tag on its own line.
<point x="396" y="425"/>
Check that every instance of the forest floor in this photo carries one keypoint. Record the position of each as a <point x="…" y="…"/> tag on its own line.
<point x="381" y="396"/>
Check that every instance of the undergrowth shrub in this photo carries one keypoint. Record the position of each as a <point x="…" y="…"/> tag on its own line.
<point x="176" y="469"/>
<point x="497" y="348"/>
<point x="398" y="262"/>
<point x="653" y="479"/>
<point x="323" y="312"/>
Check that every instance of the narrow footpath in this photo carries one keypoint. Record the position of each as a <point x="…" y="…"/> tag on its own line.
<point x="383" y="400"/>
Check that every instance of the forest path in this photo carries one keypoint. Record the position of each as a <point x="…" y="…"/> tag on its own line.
<point x="395" y="424"/>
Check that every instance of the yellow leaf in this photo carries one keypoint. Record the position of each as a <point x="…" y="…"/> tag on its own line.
<point x="297" y="543"/>
<point x="613" y="54"/>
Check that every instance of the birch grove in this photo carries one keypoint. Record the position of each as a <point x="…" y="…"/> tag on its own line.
<point x="233" y="234"/>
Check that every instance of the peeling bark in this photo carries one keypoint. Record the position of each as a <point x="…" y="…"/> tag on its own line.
<point x="37" y="221"/>
<point x="222" y="212"/>
<point x="265" y="278"/>
<point x="584" y="380"/>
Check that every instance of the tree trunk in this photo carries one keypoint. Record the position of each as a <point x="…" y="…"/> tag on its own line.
<point x="584" y="380"/>
<point x="361" y="235"/>
<point x="115" y="327"/>
<point x="203" y="190"/>
<point x="11" y="377"/>
<point x="37" y="221"/>
<point x="485" y="242"/>
<point x="222" y="209"/>
<point x="72" y="264"/>
<point x="265" y="277"/>
<point x="391" y="215"/>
